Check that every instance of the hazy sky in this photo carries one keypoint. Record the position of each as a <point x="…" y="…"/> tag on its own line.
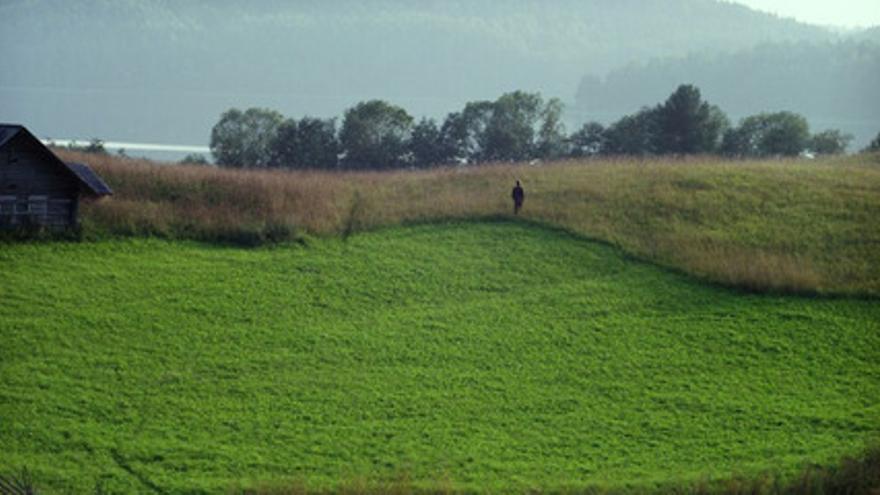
<point x="842" y="13"/>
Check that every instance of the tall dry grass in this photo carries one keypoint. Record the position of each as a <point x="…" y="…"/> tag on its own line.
<point x="787" y="226"/>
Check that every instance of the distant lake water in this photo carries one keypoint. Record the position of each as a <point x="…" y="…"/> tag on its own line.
<point x="135" y="118"/>
<point x="130" y="116"/>
<point x="153" y="151"/>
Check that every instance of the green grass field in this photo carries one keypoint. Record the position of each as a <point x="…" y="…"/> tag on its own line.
<point x="776" y="226"/>
<point x="462" y="356"/>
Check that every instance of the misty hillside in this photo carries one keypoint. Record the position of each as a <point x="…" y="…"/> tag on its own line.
<point x="162" y="70"/>
<point x="872" y="34"/>
<point x="833" y="84"/>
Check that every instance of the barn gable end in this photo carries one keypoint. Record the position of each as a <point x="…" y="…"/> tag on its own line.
<point x="36" y="187"/>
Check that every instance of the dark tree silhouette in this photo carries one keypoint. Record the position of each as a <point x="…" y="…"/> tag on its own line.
<point x="244" y="139"/>
<point x="374" y="135"/>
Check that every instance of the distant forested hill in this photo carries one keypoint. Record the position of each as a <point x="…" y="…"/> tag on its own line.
<point x="164" y="70"/>
<point x="834" y="84"/>
<point x="872" y="34"/>
<point x="276" y="45"/>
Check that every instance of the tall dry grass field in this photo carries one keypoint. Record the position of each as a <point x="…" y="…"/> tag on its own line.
<point x="788" y="226"/>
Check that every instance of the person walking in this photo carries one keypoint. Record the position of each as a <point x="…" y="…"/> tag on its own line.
<point x="518" y="196"/>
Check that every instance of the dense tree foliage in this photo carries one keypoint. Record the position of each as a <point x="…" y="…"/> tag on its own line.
<point x="245" y="139"/>
<point x="285" y="145"/>
<point x="465" y="131"/>
<point x="375" y="135"/>
<point x="510" y="133"/>
<point x="308" y="144"/>
<point x="589" y="140"/>
<point x="683" y="124"/>
<point x="552" y="140"/>
<point x="633" y="134"/>
<point x="518" y="126"/>
<point x="829" y="142"/>
<point x="768" y="134"/>
<point x="687" y="124"/>
<point x="427" y="145"/>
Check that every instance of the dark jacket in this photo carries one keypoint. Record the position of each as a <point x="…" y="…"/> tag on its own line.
<point x="518" y="195"/>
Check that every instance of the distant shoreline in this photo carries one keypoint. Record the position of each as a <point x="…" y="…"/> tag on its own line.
<point x="119" y="145"/>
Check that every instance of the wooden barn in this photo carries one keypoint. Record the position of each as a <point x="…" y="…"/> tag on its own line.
<point x="38" y="189"/>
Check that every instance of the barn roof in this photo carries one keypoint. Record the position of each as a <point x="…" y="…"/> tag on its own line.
<point x="8" y="131"/>
<point x="87" y="178"/>
<point x="90" y="178"/>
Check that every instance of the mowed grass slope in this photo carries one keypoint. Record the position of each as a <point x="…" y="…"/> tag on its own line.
<point x="463" y="356"/>
<point x="770" y="226"/>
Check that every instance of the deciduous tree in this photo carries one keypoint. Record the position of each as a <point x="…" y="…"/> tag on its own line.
<point x="464" y="132"/>
<point x="374" y="135"/>
<point x="317" y="144"/>
<point x="633" y="134"/>
<point x="427" y="145"/>
<point x="768" y="134"/>
<point x="589" y="140"/>
<point x="552" y="141"/>
<point x="244" y="139"/>
<point x="510" y="134"/>
<point x="830" y="142"/>
<point x="874" y="145"/>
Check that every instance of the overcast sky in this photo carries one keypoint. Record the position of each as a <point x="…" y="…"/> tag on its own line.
<point x="841" y="13"/>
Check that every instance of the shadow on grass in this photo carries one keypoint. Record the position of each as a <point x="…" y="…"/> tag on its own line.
<point x="21" y="483"/>
<point x="269" y="235"/>
<point x="624" y="254"/>
<point x="858" y="475"/>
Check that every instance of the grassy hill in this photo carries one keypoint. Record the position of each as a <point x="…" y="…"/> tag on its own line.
<point x="491" y="356"/>
<point x="789" y="226"/>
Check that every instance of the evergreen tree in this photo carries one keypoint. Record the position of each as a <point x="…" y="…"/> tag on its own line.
<point x="689" y="125"/>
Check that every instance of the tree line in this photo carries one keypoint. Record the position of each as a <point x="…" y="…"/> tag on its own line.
<point x="518" y="126"/>
<point x="379" y="135"/>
